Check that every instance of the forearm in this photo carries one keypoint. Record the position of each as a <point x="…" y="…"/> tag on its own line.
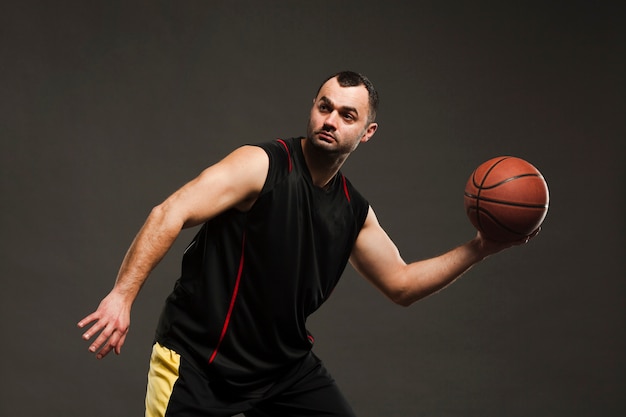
<point x="111" y="320"/>
<point x="428" y="276"/>
<point x="153" y="241"/>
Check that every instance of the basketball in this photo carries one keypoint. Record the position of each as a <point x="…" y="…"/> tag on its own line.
<point x="506" y="198"/>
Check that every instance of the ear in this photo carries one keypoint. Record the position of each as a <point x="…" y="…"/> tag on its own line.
<point x="369" y="132"/>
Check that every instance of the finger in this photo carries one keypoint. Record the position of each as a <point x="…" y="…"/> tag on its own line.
<point x="96" y="328"/>
<point x="102" y="340"/>
<point x="118" y="348"/>
<point x="89" y="319"/>
<point x="114" y="342"/>
<point x="104" y="351"/>
<point x="532" y="235"/>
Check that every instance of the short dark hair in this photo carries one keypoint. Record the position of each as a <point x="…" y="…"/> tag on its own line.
<point x="354" y="79"/>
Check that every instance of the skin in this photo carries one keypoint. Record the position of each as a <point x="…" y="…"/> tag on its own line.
<point x="339" y="121"/>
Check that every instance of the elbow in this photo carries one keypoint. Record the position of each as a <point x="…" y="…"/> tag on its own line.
<point x="165" y="218"/>
<point x="402" y="301"/>
<point x="405" y="292"/>
<point x="405" y="298"/>
<point x="158" y="213"/>
<point x="401" y="297"/>
<point x="399" y="289"/>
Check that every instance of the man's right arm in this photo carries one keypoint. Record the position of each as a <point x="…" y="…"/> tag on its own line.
<point x="234" y="182"/>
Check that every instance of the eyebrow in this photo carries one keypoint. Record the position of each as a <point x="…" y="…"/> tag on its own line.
<point x="329" y="102"/>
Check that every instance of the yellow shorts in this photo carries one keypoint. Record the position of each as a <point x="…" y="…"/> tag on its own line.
<point x="176" y="388"/>
<point x="163" y="374"/>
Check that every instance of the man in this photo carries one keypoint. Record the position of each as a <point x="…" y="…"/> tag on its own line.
<point x="280" y="222"/>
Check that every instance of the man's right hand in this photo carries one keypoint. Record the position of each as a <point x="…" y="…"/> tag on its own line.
<point x="111" y="322"/>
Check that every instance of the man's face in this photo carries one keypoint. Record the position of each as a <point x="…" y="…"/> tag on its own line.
<point x="339" y="118"/>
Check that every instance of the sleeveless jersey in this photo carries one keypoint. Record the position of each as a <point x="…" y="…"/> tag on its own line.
<point x="249" y="280"/>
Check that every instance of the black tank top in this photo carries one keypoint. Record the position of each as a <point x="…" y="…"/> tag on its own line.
<point x="250" y="279"/>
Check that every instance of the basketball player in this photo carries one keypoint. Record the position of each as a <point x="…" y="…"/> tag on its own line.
<point x="279" y="224"/>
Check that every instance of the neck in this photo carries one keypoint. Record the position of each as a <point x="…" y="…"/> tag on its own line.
<point x="323" y="166"/>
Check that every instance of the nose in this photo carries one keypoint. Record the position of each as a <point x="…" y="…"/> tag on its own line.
<point x="330" y="123"/>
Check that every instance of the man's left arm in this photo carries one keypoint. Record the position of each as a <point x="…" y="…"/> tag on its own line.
<point x="377" y="258"/>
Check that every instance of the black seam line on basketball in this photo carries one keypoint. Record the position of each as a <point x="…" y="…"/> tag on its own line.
<point x="505" y="203"/>
<point x="482" y="182"/>
<point x="480" y="186"/>
<point x="503" y="226"/>
<point x="510" y="179"/>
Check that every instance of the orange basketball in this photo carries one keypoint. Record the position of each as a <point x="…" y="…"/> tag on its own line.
<point x="506" y="198"/>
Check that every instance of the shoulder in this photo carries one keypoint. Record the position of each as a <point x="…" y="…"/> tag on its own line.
<point x="279" y="151"/>
<point x="360" y="205"/>
<point x="246" y="161"/>
<point x="280" y="154"/>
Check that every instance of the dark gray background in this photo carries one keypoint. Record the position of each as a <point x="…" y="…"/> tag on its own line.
<point x="108" y="107"/>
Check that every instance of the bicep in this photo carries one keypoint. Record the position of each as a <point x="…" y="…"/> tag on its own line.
<point x="377" y="258"/>
<point x="233" y="182"/>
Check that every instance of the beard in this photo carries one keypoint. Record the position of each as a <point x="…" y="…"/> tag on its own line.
<point x="343" y="146"/>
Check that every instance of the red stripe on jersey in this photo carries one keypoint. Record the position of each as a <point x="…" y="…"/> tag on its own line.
<point x="345" y="187"/>
<point x="233" y="298"/>
<point x="282" y="142"/>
